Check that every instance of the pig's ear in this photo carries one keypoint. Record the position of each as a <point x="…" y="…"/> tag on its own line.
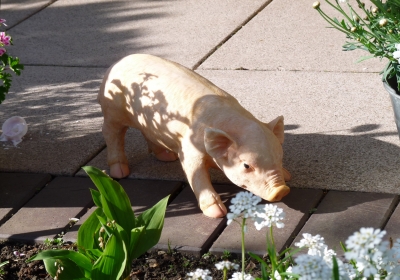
<point x="217" y="142"/>
<point x="277" y="127"/>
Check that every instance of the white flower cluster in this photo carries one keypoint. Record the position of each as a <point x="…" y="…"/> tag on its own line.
<point x="226" y="265"/>
<point x="366" y="250"/>
<point x="199" y="274"/>
<point x="238" y="276"/>
<point x="244" y="204"/>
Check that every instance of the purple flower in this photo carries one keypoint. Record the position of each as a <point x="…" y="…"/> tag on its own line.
<point x="4" y="39"/>
<point x="2" y="51"/>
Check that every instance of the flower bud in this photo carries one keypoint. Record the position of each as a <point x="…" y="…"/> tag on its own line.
<point x="383" y="22"/>
<point x="374" y="10"/>
<point x="361" y="5"/>
<point x="390" y="31"/>
<point x="356" y="18"/>
<point x="353" y="29"/>
<point x="316" y="5"/>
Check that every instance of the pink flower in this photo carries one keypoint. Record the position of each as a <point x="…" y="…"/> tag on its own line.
<point x="2" y="21"/>
<point x="2" y="51"/>
<point x="4" y="39"/>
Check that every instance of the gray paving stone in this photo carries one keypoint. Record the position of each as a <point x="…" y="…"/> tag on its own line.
<point x="15" y="11"/>
<point x="393" y="226"/>
<point x="16" y="189"/>
<point x="296" y="205"/>
<point x="103" y="31"/>
<point x="290" y="35"/>
<point x="186" y="228"/>
<point x="63" y="117"/>
<point x="47" y="214"/>
<point x="340" y="214"/>
<point x="142" y="194"/>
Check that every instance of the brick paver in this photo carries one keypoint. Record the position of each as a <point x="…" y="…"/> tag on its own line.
<point x="47" y="214"/>
<point x="186" y="228"/>
<point x="16" y="189"/>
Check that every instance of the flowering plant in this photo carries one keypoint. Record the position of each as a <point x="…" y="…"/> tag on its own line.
<point x="367" y="256"/>
<point x="375" y="29"/>
<point x="7" y="62"/>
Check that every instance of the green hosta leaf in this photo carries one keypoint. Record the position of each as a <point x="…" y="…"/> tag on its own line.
<point x="115" y="203"/>
<point x="76" y="265"/>
<point x="153" y="221"/>
<point x="112" y="262"/>
<point x="88" y="232"/>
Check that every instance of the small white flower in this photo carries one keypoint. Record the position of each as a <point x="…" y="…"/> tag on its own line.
<point x="199" y="274"/>
<point x="226" y="265"/>
<point x="238" y="276"/>
<point x="396" y="54"/>
<point x="243" y="204"/>
<point x="269" y="215"/>
<point x="311" y="268"/>
<point x="74" y="220"/>
<point x="315" y="244"/>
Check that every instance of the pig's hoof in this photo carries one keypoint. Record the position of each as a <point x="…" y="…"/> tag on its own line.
<point x="215" y="211"/>
<point x="166" y="156"/>
<point x="119" y="170"/>
<point x="277" y="193"/>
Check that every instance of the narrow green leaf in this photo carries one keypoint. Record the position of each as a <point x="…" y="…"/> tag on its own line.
<point x="335" y="269"/>
<point x="112" y="262"/>
<point x="365" y="58"/>
<point x="115" y="202"/>
<point x="153" y="221"/>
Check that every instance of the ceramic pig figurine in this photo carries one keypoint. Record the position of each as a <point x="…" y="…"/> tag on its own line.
<point x="184" y="116"/>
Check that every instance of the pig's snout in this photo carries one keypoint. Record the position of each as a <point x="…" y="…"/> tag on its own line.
<point x="277" y="193"/>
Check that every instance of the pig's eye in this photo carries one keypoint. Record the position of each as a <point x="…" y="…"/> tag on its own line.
<point x="246" y="166"/>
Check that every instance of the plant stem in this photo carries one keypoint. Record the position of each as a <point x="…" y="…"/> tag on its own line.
<point x="243" y="255"/>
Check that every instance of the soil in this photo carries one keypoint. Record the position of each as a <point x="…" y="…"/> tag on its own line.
<point x="152" y="265"/>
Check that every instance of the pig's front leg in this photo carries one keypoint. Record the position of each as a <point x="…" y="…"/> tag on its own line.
<point x="199" y="179"/>
<point x="114" y="134"/>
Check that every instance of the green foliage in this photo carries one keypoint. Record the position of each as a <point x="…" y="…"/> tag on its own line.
<point x="375" y="29"/>
<point x="110" y="238"/>
<point x="7" y="63"/>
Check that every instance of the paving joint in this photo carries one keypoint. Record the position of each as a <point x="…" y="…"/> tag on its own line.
<point x="31" y="15"/>
<point x="391" y="209"/>
<point x="230" y="35"/>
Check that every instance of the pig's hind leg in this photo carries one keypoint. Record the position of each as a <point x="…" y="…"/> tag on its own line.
<point x="160" y="152"/>
<point x="114" y="134"/>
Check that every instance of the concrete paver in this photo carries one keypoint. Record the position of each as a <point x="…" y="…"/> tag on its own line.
<point x="16" y="11"/>
<point x="185" y="226"/>
<point x="48" y="213"/>
<point x="63" y="117"/>
<point x="297" y="205"/>
<point x="184" y="31"/>
<point x="16" y="189"/>
<point x="290" y="35"/>
<point x="340" y="214"/>
<point x="142" y="194"/>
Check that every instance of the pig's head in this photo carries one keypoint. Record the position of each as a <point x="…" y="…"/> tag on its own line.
<point x="252" y="159"/>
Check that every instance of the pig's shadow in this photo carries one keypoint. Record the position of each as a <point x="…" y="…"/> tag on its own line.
<point x="354" y="162"/>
